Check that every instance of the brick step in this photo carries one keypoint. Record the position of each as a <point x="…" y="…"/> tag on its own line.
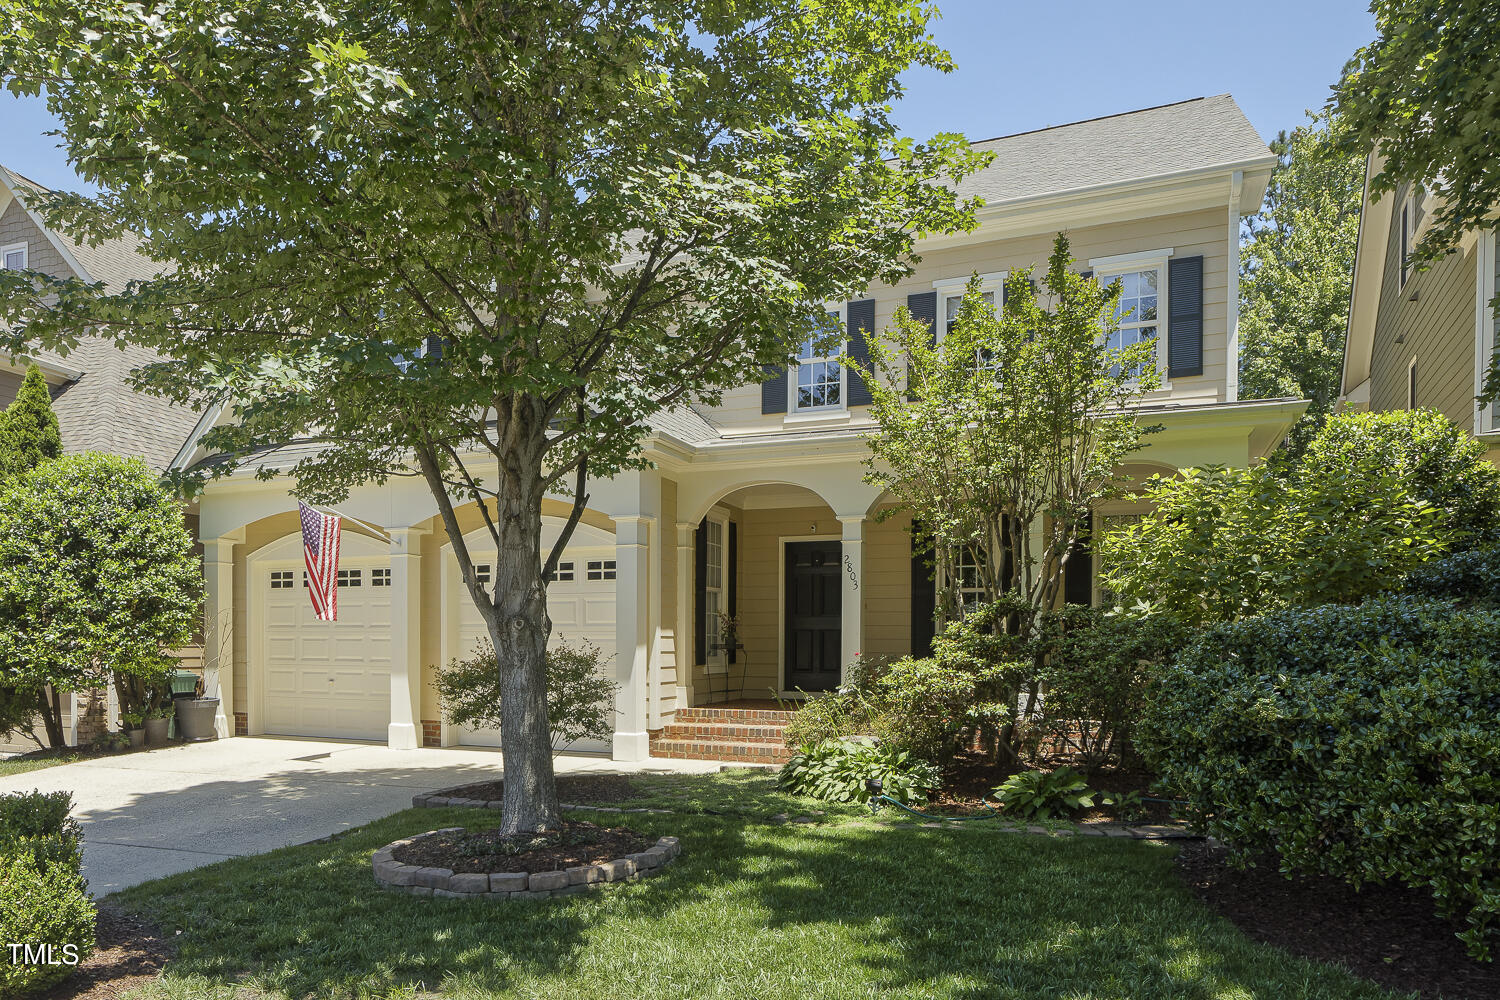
<point x="725" y="750"/>
<point x="718" y="729"/>
<point x="742" y="716"/>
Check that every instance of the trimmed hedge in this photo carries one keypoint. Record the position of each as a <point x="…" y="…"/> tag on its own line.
<point x="1358" y="742"/>
<point x="1470" y="578"/>
<point x="43" y="895"/>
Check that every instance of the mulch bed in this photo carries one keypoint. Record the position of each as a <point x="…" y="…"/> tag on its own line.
<point x="974" y="776"/>
<point x="1388" y="934"/>
<point x="488" y="851"/>
<point x="570" y="788"/>
<point x="129" y="953"/>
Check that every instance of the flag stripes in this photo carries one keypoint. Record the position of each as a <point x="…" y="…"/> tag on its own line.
<point x="320" y="551"/>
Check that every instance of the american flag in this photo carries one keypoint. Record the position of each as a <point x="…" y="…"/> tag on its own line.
<point x="320" y="550"/>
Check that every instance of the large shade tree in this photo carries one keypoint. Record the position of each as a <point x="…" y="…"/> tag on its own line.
<point x="583" y="210"/>
<point x="1296" y="267"/>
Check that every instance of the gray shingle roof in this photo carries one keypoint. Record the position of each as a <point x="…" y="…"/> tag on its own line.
<point x="1135" y="145"/>
<point x="99" y="411"/>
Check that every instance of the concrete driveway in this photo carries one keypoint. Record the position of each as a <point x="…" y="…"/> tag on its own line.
<point x="145" y="815"/>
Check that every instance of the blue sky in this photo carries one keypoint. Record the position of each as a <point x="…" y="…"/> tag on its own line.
<point x="1024" y="66"/>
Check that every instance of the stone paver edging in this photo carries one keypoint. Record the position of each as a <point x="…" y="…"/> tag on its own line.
<point x="420" y="881"/>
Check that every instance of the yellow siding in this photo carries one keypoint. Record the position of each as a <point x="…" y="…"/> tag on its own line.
<point x="1434" y="314"/>
<point x="886" y="588"/>
<point x="1188" y="234"/>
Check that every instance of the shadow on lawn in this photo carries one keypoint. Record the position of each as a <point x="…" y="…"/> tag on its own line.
<point x="952" y="914"/>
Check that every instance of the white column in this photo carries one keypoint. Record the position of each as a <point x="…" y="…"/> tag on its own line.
<point x="687" y="627"/>
<point x="405" y="732"/>
<point x="1232" y="299"/>
<point x="218" y="627"/>
<point x="852" y="575"/>
<point x="634" y="629"/>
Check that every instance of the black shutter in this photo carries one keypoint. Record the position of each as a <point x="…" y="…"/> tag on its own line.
<point x="700" y="592"/>
<point x="923" y="309"/>
<point x="1078" y="574"/>
<point x="732" y="567"/>
<point x="923" y="597"/>
<point x="1185" y="316"/>
<point x="861" y="324"/>
<point x="773" y="390"/>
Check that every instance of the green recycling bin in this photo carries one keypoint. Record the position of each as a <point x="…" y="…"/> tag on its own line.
<point x="184" y="683"/>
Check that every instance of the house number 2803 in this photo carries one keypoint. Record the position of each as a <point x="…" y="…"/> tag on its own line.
<point x="849" y="568"/>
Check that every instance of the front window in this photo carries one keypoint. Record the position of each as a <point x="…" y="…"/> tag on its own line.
<point x="1136" y="314"/>
<point x="14" y="257"/>
<point x="950" y="294"/>
<point x="713" y="591"/>
<point x="820" y="376"/>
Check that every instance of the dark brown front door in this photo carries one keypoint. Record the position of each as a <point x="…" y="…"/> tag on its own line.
<point x="814" y="618"/>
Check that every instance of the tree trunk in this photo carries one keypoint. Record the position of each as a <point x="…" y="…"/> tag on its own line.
<point x="49" y="706"/>
<point x="519" y="627"/>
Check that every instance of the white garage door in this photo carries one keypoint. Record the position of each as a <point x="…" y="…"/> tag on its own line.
<point x="330" y="679"/>
<point x="581" y="603"/>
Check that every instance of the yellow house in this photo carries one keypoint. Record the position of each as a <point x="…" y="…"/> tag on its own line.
<point x="1420" y="338"/>
<point x="757" y="507"/>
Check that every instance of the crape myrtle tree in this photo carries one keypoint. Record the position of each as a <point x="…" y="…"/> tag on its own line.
<point x="587" y="210"/>
<point x="1003" y="435"/>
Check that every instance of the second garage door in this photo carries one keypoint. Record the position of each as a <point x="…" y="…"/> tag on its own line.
<point x="581" y="603"/>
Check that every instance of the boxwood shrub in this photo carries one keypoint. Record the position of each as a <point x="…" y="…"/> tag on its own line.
<point x="1358" y="742"/>
<point x="43" y="895"/>
<point x="1471" y="578"/>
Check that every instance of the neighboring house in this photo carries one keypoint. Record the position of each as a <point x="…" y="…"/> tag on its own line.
<point x="1420" y="338"/>
<point x="759" y="506"/>
<point x="96" y="409"/>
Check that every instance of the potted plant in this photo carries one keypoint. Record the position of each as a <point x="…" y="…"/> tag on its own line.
<point x="195" y="716"/>
<point x="133" y="729"/>
<point x="158" y="720"/>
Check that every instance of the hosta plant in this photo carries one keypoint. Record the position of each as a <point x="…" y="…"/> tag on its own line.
<point x="1043" y="794"/>
<point x="836" y="771"/>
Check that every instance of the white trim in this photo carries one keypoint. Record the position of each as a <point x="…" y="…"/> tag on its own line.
<point x="716" y="662"/>
<point x="11" y="248"/>
<point x="1145" y="260"/>
<point x="206" y="421"/>
<point x="1406" y="238"/>
<point x="52" y="370"/>
<point x="793" y="411"/>
<point x="1411" y="383"/>
<point x="1484" y="325"/>
<point x="1130" y="261"/>
<point x="781" y="543"/>
<point x="1232" y="299"/>
<point x="949" y="288"/>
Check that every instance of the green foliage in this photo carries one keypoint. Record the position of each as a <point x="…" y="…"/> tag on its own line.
<point x="37" y="825"/>
<point x="1439" y="463"/>
<point x="1034" y="435"/>
<point x="1296" y="267"/>
<point x="17" y="711"/>
<point x="28" y="427"/>
<point x="1374" y="496"/>
<point x="43" y="897"/>
<point x="41" y="906"/>
<point x="1470" y="578"/>
<point x="580" y="696"/>
<point x="1043" y="794"/>
<point x="836" y="770"/>
<point x="1424" y="93"/>
<point x="1357" y="742"/>
<point x="1095" y="677"/>
<point x="97" y="574"/>
<point x="847" y="712"/>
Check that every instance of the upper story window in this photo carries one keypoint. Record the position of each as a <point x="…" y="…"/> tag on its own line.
<point x="1143" y="293"/>
<point x="1408" y="233"/>
<point x="950" y="293"/>
<point x="820" y="376"/>
<point x="14" y="257"/>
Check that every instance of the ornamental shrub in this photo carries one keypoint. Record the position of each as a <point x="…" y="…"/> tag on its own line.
<point x="1357" y="742"/>
<point x="1470" y="578"/>
<point x="29" y="433"/>
<point x="1043" y="794"/>
<point x="836" y="771"/>
<point x="43" y="895"/>
<point x="580" y="698"/>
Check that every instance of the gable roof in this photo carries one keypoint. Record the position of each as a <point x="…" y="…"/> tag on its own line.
<point x="96" y="408"/>
<point x="1193" y="135"/>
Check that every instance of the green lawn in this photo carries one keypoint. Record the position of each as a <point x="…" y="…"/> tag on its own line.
<point x="20" y="765"/>
<point x="841" y="909"/>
